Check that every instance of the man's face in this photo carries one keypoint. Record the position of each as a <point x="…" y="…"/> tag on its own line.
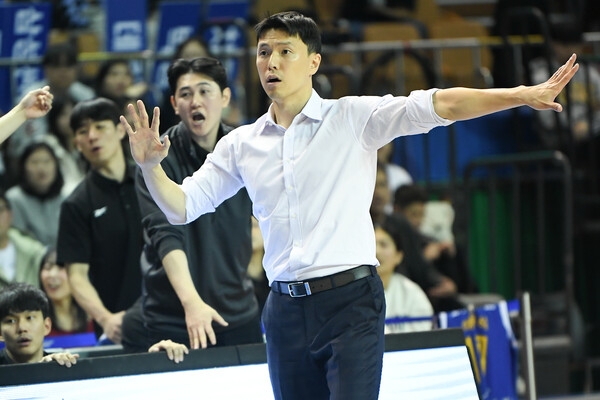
<point x="199" y="101"/>
<point x="284" y="66"/>
<point x="117" y="80"/>
<point x="23" y="333"/>
<point x="60" y="77"/>
<point x="99" y="142"/>
<point x="415" y="213"/>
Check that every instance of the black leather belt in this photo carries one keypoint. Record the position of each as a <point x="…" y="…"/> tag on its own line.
<point x="316" y="285"/>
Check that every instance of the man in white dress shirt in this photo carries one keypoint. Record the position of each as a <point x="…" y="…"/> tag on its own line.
<point x="309" y="167"/>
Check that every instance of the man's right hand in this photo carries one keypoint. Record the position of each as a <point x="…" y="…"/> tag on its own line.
<point x="146" y="148"/>
<point x="111" y="325"/>
<point x="198" y="318"/>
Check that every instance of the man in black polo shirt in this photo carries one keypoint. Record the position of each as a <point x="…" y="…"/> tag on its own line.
<point x="195" y="276"/>
<point x="100" y="232"/>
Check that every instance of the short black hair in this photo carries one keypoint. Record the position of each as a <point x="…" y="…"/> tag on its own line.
<point x="294" y="24"/>
<point x="208" y="66"/>
<point x="408" y="194"/>
<point x="98" y="109"/>
<point x="20" y="297"/>
<point x="59" y="55"/>
<point x="393" y="226"/>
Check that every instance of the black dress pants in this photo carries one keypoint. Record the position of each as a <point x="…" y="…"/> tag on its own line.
<point x="328" y="345"/>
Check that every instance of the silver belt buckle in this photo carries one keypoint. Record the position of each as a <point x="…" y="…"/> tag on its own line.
<point x="293" y="293"/>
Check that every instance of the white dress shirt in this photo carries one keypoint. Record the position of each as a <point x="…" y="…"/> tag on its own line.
<point x="311" y="184"/>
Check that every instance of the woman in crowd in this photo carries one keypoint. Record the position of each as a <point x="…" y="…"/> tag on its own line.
<point x="407" y="307"/>
<point x="35" y="200"/>
<point x="66" y="315"/>
<point x="115" y="82"/>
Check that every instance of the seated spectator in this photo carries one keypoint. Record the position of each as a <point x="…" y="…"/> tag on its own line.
<point x="60" y="73"/>
<point x="403" y="297"/>
<point x="24" y="322"/>
<point x="411" y="201"/>
<point x="61" y="138"/>
<point x="115" y="82"/>
<point x="20" y="254"/>
<point x="36" y="199"/>
<point x="66" y="315"/>
<point x="441" y="289"/>
<point x="192" y="47"/>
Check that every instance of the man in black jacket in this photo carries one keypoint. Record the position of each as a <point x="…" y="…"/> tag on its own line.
<point x="197" y="273"/>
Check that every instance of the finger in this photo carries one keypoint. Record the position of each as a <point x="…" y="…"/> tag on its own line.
<point x="181" y="351"/>
<point x="155" y="119"/>
<point x="220" y="320"/>
<point x="143" y="114"/>
<point x="194" y="341"/>
<point x="133" y="116"/>
<point x="211" y="335"/>
<point x="126" y="125"/>
<point x="166" y="142"/>
<point x="170" y="353"/>
<point x="203" y="341"/>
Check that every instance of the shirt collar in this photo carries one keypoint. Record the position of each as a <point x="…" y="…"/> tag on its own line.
<point x="311" y="110"/>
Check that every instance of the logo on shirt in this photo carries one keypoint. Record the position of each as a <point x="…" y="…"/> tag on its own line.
<point x="99" y="212"/>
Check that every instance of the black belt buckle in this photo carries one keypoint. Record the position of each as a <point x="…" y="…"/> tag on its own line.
<point x="299" y="289"/>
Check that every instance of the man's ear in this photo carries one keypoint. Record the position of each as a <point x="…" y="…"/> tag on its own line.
<point x="315" y="62"/>
<point x="226" y="96"/>
<point x="120" y="130"/>
<point x="47" y="326"/>
<point x="172" y="98"/>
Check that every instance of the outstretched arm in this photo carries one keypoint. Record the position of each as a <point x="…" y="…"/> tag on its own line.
<point x="148" y="151"/>
<point x="34" y="104"/>
<point x="462" y="103"/>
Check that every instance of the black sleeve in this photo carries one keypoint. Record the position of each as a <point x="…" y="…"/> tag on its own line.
<point x="74" y="234"/>
<point x="158" y="231"/>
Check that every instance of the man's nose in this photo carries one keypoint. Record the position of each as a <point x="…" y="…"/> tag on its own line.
<point x="274" y="61"/>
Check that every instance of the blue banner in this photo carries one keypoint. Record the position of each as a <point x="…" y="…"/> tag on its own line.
<point x="125" y="25"/>
<point x="178" y="21"/>
<point x="23" y="35"/>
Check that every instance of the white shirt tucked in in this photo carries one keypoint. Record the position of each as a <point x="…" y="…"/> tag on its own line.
<point x="311" y="184"/>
